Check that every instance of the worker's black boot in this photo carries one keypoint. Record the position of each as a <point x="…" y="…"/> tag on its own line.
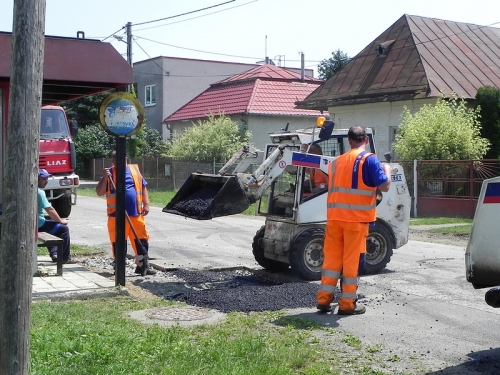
<point x="149" y="271"/>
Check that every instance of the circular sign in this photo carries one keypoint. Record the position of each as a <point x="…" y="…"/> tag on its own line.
<point x="121" y="114"/>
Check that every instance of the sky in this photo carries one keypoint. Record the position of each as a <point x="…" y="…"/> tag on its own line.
<point x="246" y="31"/>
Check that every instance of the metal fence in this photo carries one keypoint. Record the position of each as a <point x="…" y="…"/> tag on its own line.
<point x="449" y="178"/>
<point x="437" y="187"/>
<point x="161" y="173"/>
<point x="447" y="187"/>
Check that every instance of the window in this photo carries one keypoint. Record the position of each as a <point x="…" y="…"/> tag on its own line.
<point x="150" y="95"/>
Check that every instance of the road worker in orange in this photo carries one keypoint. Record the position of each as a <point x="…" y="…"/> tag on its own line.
<point x="136" y="206"/>
<point x="353" y="179"/>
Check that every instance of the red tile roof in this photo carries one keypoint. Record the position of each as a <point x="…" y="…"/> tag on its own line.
<point x="265" y="89"/>
<point x="421" y="58"/>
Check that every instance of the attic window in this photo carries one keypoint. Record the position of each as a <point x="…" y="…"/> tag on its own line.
<point x="383" y="48"/>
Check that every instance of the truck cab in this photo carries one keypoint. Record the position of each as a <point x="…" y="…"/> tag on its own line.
<point x="58" y="157"/>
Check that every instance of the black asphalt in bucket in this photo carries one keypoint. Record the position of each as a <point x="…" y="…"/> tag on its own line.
<point x="205" y="196"/>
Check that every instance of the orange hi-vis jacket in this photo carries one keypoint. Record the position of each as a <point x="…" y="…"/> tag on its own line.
<point x="111" y="194"/>
<point x="349" y="199"/>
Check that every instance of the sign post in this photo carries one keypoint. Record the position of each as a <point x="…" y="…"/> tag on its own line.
<point x="121" y="115"/>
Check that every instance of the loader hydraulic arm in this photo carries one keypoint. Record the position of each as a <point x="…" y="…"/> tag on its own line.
<point x="270" y="169"/>
<point x="242" y="160"/>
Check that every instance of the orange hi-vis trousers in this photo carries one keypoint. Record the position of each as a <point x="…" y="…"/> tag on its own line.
<point x="140" y="228"/>
<point x="344" y="244"/>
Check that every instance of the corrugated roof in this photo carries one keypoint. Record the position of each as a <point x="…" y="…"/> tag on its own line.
<point x="265" y="89"/>
<point x="416" y="57"/>
<point x="73" y="67"/>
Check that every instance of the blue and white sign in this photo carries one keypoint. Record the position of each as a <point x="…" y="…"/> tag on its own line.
<point x="121" y="114"/>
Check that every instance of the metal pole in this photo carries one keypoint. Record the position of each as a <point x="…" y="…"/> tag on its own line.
<point x="129" y="43"/>
<point x="121" y="242"/>
<point x="415" y="187"/>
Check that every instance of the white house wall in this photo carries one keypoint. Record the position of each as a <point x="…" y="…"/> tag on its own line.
<point x="262" y="125"/>
<point x="381" y="117"/>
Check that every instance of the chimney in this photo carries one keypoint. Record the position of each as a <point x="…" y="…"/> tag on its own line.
<point x="302" y="68"/>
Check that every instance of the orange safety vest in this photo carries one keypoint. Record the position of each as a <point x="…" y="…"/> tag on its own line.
<point x="349" y="199"/>
<point x="111" y="195"/>
<point x="318" y="177"/>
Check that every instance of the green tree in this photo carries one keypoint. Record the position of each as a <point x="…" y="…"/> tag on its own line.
<point x="488" y="102"/>
<point x="447" y="130"/>
<point x="217" y="138"/>
<point x="93" y="142"/>
<point x="147" y="143"/>
<point x="328" y="67"/>
<point x="85" y="109"/>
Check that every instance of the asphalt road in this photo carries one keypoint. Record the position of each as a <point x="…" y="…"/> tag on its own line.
<point x="176" y="241"/>
<point x="420" y="307"/>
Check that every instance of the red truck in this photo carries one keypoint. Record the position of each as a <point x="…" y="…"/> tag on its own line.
<point x="58" y="157"/>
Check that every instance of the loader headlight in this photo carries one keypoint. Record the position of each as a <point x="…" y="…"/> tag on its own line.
<point x="320" y="121"/>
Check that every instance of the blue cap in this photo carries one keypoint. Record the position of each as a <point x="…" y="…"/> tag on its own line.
<point x="43" y="173"/>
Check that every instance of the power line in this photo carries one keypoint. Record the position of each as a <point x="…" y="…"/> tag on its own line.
<point x="192" y="18"/>
<point x="117" y="31"/>
<point x="183" y="14"/>
<point x="197" y="50"/>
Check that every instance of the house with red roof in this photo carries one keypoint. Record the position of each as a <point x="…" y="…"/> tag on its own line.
<point x="261" y="100"/>
<point x="164" y="84"/>
<point x="411" y="64"/>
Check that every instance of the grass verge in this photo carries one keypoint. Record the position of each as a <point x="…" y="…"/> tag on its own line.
<point x="439" y="220"/>
<point x="76" y="250"/>
<point x="459" y="230"/>
<point x="97" y="337"/>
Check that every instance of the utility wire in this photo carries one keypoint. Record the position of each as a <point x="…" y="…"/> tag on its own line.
<point x="167" y="73"/>
<point x="197" y="50"/>
<point x="117" y="31"/>
<point x="183" y="14"/>
<point x="192" y="18"/>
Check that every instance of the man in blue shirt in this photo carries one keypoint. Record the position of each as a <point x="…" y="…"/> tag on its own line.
<point x="55" y="226"/>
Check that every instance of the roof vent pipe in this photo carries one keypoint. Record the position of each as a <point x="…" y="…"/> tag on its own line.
<point x="302" y="66"/>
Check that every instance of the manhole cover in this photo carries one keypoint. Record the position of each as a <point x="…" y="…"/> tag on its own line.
<point x="176" y="314"/>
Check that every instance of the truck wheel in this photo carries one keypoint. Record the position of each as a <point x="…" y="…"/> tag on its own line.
<point x="306" y="254"/>
<point x="258" y="253"/>
<point x="378" y="249"/>
<point x="62" y="206"/>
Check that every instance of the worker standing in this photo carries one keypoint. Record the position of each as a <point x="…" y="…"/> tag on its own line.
<point x="353" y="179"/>
<point x="136" y="207"/>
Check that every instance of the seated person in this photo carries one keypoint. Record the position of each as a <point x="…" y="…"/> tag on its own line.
<point x="318" y="180"/>
<point x="56" y="226"/>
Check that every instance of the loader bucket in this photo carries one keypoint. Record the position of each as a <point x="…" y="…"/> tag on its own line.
<point x="205" y="196"/>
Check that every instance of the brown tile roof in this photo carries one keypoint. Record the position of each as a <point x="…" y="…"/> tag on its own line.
<point x="265" y="89"/>
<point x="416" y="57"/>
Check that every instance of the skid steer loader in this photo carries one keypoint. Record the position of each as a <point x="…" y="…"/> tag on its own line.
<point x="294" y="207"/>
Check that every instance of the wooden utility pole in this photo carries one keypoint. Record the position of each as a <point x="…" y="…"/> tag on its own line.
<point x="20" y="181"/>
